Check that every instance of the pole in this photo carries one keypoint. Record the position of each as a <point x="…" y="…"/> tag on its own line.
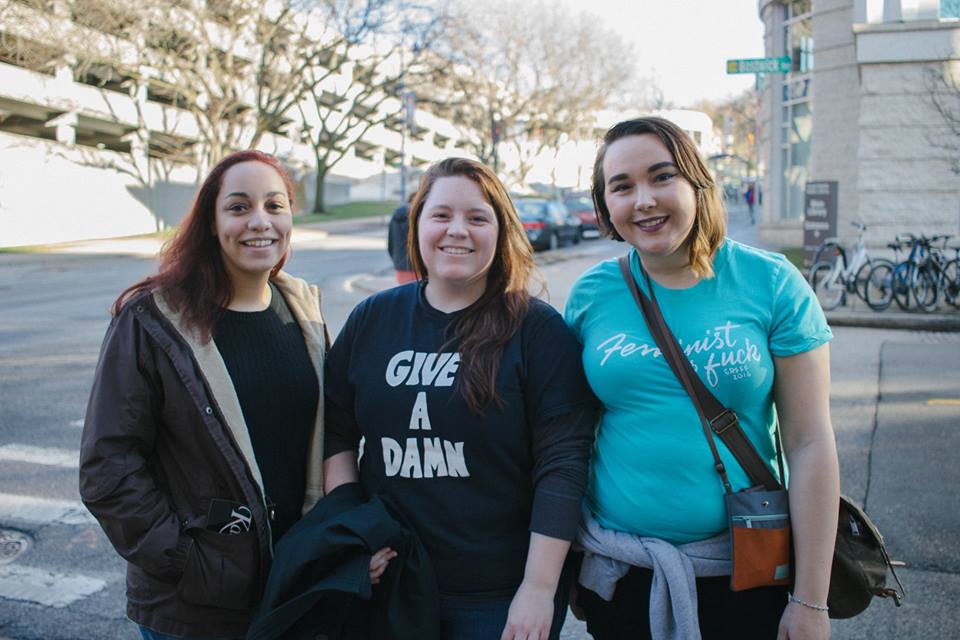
<point x="403" y="161"/>
<point x="494" y="139"/>
<point x="758" y="91"/>
<point x="403" y="124"/>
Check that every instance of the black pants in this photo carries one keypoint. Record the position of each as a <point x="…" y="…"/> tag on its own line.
<point x="743" y="615"/>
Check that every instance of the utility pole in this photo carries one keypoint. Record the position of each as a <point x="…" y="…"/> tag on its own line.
<point x="495" y="139"/>
<point x="758" y="92"/>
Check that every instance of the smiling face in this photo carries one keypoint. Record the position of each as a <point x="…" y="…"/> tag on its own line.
<point x="253" y="220"/>
<point x="457" y="234"/>
<point x="652" y="206"/>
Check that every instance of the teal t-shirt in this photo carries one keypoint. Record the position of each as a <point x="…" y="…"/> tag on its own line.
<point x="652" y="472"/>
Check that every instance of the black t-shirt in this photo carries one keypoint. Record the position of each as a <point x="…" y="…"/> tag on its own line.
<point x="277" y="386"/>
<point x="473" y="486"/>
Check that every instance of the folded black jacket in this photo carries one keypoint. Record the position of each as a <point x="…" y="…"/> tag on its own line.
<point x="319" y="584"/>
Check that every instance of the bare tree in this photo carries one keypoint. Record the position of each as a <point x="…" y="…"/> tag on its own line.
<point x="228" y="72"/>
<point x="526" y="74"/>
<point x="28" y="37"/>
<point x="737" y="118"/>
<point x="356" y="82"/>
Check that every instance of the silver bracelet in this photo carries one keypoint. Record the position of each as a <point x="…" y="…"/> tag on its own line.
<point x="815" y="607"/>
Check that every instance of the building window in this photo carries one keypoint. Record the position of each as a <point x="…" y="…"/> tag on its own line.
<point x="798" y="36"/>
<point x="365" y="150"/>
<point x="394" y="123"/>
<point x="330" y="99"/>
<point x="103" y="77"/>
<point x="798" y="8"/>
<point x="28" y="54"/>
<point x="391" y="158"/>
<point x="797" y="117"/>
<point x="950" y="9"/>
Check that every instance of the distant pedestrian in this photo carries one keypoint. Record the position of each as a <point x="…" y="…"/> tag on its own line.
<point x="750" y="197"/>
<point x="397" y="242"/>
<point x="475" y="415"/>
<point x="201" y="444"/>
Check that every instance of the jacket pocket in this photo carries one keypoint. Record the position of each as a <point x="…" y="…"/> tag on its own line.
<point x="221" y="570"/>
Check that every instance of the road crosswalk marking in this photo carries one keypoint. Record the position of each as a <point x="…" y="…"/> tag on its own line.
<point x="48" y="456"/>
<point x="49" y="588"/>
<point x="44" y="510"/>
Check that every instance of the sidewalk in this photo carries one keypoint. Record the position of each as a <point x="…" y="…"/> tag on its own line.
<point x="854" y="314"/>
<point x="913" y="490"/>
<point x="149" y="246"/>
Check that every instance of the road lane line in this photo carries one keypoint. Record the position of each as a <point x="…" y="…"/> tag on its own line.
<point x="948" y="401"/>
<point x="48" y="588"/>
<point x="48" y="456"/>
<point x="43" y="510"/>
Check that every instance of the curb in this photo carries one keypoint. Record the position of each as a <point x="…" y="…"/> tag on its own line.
<point x="371" y="283"/>
<point x="895" y="320"/>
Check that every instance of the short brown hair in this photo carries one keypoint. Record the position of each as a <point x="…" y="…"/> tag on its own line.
<point x="709" y="224"/>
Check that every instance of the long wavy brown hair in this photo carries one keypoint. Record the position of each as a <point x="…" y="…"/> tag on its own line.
<point x="709" y="224"/>
<point x="192" y="274"/>
<point x="484" y="330"/>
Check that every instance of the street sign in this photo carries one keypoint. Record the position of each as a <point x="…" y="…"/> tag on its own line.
<point x="819" y="216"/>
<point x="759" y="65"/>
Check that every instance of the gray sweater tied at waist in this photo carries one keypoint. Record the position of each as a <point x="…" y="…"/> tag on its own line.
<point x="608" y="555"/>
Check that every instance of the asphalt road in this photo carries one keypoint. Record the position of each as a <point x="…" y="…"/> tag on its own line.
<point x="895" y="408"/>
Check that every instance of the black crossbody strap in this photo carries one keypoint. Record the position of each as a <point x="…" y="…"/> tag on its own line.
<point x="714" y="416"/>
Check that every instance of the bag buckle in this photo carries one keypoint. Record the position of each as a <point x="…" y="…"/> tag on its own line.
<point x="723" y="421"/>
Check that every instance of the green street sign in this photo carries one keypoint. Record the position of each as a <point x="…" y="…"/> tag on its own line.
<point x="759" y="65"/>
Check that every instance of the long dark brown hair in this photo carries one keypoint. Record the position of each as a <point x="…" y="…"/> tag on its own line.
<point x="192" y="274"/>
<point x="482" y="333"/>
<point x="709" y="225"/>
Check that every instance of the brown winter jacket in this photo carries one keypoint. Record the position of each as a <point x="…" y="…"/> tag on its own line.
<point x="164" y="434"/>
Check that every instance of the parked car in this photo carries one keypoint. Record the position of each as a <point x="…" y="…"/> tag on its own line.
<point x="548" y="223"/>
<point x="581" y="205"/>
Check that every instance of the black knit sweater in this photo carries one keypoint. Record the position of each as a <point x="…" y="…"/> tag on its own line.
<point x="278" y="391"/>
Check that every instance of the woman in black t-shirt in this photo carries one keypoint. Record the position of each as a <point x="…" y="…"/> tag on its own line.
<point x="476" y="415"/>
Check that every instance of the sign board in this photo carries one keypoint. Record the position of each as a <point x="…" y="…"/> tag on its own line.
<point x="819" y="216"/>
<point x="759" y="65"/>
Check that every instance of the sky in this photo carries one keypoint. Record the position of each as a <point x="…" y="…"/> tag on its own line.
<point x="684" y="44"/>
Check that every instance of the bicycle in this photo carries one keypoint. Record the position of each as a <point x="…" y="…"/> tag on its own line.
<point x="951" y="278"/>
<point x="938" y="276"/>
<point x="878" y="292"/>
<point x="916" y="282"/>
<point x="832" y="277"/>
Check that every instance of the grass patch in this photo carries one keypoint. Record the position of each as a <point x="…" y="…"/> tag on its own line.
<point x="26" y="249"/>
<point x="795" y="255"/>
<point x="360" y="209"/>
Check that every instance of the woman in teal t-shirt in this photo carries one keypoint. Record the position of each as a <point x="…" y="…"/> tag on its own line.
<point x="756" y="336"/>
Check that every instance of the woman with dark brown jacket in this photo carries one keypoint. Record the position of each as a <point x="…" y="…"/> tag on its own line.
<point x="203" y="437"/>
